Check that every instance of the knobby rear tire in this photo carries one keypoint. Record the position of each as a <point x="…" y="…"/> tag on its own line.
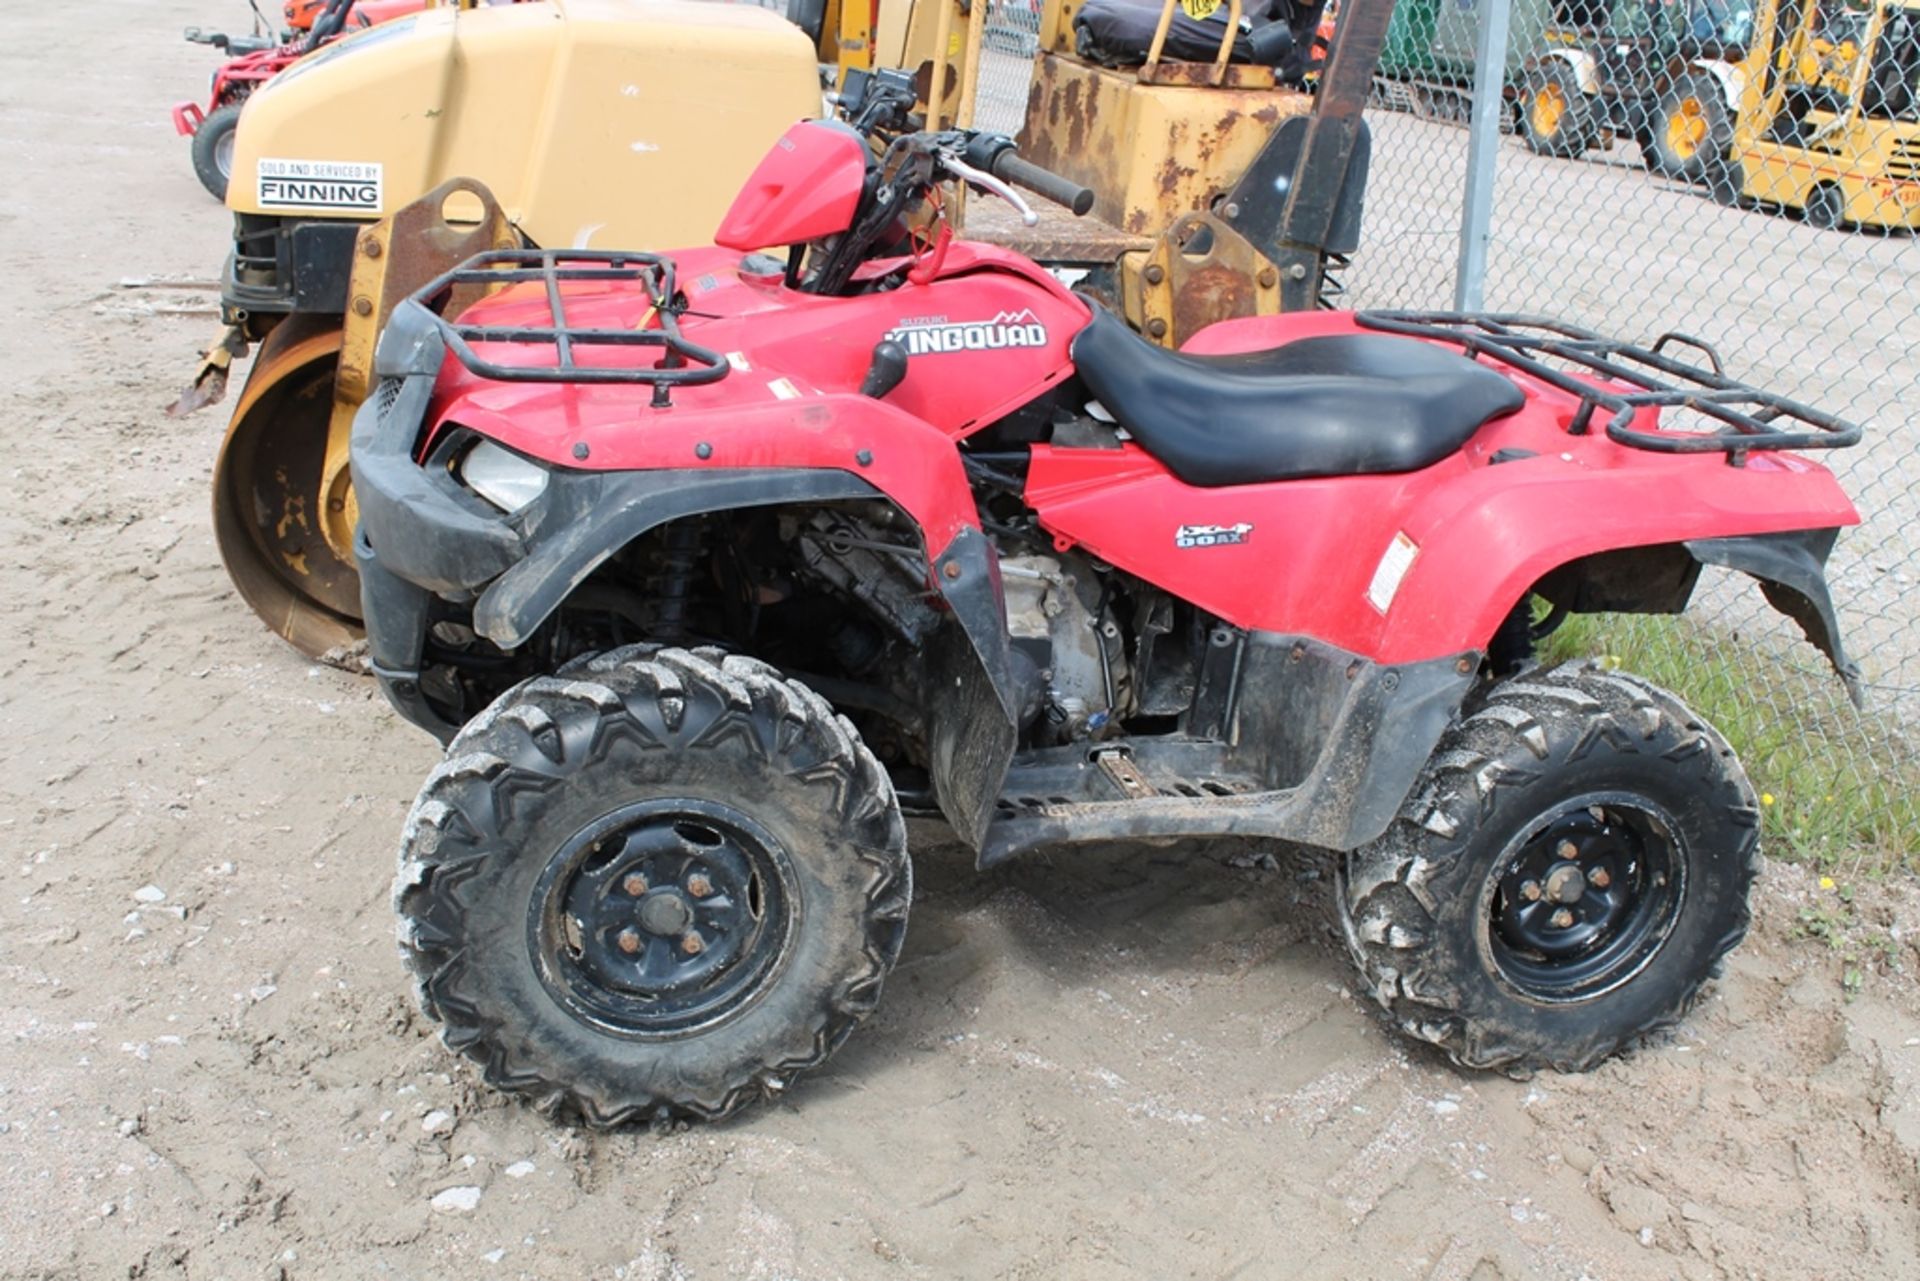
<point x="1420" y="905"/>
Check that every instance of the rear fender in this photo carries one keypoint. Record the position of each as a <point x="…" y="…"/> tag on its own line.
<point x="1660" y="579"/>
<point x="1628" y="538"/>
<point x="1790" y="568"/>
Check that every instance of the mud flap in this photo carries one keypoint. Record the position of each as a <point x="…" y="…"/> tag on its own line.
<point x="1791" y="569"/>
<point x="972" y="722"/>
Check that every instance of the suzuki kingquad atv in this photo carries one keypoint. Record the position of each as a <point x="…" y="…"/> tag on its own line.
<point x="709" y="566"/>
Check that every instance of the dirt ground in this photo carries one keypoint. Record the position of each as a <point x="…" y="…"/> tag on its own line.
<point x="1118" y="1063"/>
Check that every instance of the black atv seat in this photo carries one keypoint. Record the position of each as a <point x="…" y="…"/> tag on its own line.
<point x="1341" y="405"/>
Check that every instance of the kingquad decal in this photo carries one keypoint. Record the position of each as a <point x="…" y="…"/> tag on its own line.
<point x="1211" y="535"/>
<point x="320" y="184"/>
<point x="936" y="335"/>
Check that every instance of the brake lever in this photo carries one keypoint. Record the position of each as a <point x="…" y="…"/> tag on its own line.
<point x="987" y="182"/>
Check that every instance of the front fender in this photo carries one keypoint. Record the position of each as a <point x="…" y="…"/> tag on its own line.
<point x="970" y="697"/>
<point x="1731" y="79"/>
<point x="1580" y="65"/>
<point x="588" y="516"/>
<point x="421" y="535"/>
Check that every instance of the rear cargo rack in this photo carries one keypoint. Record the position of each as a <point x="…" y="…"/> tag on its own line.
<point x="1643" y="378"/>
<point x="681" y="362"/>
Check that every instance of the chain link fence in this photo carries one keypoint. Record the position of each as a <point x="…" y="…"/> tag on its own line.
<point x="1826" y="314"/>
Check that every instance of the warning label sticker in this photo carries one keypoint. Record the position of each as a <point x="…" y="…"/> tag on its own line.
<point x="1391" y="571"/>
<point x="320" y="184"/>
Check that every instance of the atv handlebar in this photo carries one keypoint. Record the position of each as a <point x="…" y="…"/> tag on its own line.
<point x="331" y="22"/>
<point x="1042" y="182"/>
<point x="994" y="153"/>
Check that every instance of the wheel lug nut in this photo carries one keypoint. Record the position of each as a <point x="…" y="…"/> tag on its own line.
<point x="1530" y="891"/>
<point x="699" y="886"/>
<point x="1599" y="878"/>
<point x="635" y="884"/>
<point x="629" y="941"/>
<point x="1562" y="919"/>
<point x="1568" y="850"/>
<point x="693" y="944"/>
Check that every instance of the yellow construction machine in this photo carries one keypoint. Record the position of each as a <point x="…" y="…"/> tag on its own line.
<point x="1221" y="191"/>
<point x="591" y="122"/>
<point x="1829" y="118"/>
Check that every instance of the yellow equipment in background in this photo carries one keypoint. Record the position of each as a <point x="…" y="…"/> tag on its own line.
<point x="1218" y="191"/>
<point x="1833" y="134"/>
<point x="627" y="123"/>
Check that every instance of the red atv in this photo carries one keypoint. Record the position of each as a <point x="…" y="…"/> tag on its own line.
<point x="257" y="59"/>
<point x="709" y="566"/>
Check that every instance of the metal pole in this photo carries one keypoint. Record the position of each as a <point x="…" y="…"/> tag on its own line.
<point x="1483" y="145"/>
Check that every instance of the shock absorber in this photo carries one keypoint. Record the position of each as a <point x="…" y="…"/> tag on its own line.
<point x="682" y="550"/>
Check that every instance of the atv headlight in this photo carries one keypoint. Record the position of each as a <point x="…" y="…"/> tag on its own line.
<point x="502" y="477"/>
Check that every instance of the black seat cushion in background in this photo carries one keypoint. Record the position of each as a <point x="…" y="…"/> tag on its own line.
<point x="1340" y="405"/>
<point x="1281" y="34"/>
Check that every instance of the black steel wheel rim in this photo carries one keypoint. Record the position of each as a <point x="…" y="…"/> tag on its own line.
<point x="1581" y="902"/>
<point x="663" y="917"/>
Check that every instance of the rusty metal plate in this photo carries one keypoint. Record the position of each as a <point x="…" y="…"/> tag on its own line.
<point x="1150" y="152"/>
<point x="1200" y="273"/>
<point x="1058" y="238"/>
<point x="1233" y="76"/>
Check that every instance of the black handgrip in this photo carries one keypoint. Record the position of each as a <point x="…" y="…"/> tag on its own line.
<point x="1009" y="167"/>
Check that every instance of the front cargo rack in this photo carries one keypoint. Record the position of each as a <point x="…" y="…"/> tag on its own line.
<point x="1645" y="377"/>
<point x="681" y="363"/>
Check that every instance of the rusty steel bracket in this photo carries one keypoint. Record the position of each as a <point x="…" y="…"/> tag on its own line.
<point x="1199" y="272"/>
<point x="209" y="385"/>
<point x="393" y="258"/>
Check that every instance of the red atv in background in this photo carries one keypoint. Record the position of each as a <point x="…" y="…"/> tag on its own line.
<point x="256" y="59"/>
<point x="710" y="566"/>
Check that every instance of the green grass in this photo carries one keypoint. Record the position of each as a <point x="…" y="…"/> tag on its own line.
<point x="1839" y="789"/>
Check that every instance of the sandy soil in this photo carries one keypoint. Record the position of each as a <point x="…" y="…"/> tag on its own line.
<point x="1123" y="1063"/>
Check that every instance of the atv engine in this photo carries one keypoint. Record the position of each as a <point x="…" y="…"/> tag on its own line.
<point x="1065" y="641"/>
<point x="1060" y="628"/>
